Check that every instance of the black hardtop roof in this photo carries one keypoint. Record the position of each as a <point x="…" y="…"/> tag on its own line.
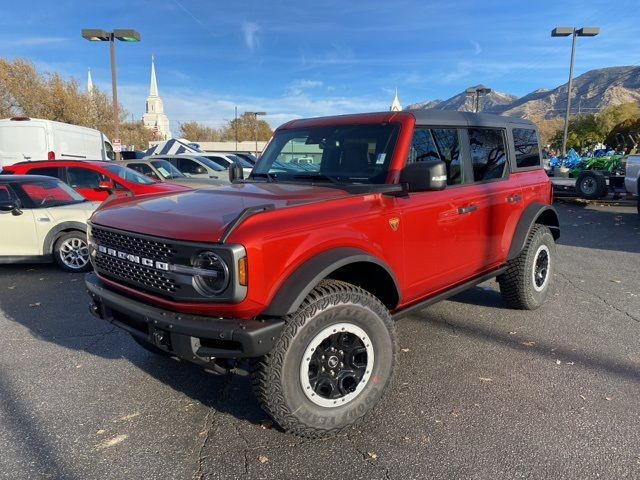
<point x="422" y="116"/>
<point x="469" y="119"/>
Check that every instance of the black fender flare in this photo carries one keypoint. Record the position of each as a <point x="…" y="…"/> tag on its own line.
<point x="297" y="286"/>
<point x="55" y="232"/>
<point x="534" y="213"/>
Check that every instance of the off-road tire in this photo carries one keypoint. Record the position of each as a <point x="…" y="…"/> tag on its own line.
<point x="591" y="185"/>
<point x="517" y="283"/>
<point x="58" y="253"/>
<point x="276" y="377"/>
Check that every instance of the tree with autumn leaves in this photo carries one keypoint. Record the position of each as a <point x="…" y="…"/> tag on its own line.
<point x="245" y="127"/>
<point x="26" y="91"/>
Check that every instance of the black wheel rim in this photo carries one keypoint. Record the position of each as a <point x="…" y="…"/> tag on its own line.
<point x="337" y="365"/>
<point x="588" y="185"/>
<point x="541" y="268"/>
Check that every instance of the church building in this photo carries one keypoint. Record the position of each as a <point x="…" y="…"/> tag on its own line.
<point x="154" y="117"/>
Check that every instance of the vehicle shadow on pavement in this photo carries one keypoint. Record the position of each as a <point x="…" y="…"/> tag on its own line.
<point x="538" y="346"/>
<point x="581" y="225"/>
<point x="481" y="296"/>
<point x="53" y="306"/>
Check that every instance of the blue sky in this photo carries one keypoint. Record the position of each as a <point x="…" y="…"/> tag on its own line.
<point x="302" y="58"/>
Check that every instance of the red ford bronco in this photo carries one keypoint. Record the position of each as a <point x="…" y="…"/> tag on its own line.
<point x="345" y="224"/>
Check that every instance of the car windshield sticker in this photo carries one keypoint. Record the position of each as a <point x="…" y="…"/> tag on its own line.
<point x="163" y="172"/>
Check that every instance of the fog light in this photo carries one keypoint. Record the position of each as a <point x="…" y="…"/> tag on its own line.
<point x="215" y="274"/>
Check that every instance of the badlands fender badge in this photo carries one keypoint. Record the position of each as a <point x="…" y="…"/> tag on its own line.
<point x="394" y="223"/>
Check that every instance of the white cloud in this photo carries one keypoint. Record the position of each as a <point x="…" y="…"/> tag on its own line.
<point x="250" y="31"/>
<point x="299" y="86"/>
<point x="35" y="41"/>
<point x="477" y="49"/>
<point x="215" y="110"/>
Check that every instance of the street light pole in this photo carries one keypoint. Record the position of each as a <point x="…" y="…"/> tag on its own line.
<point x="574" y="32"/>
<point x="476" y="92"/>
<point x="255" y="126"/>
<point x="124" y="35"/>
<point x="114" y="91"/>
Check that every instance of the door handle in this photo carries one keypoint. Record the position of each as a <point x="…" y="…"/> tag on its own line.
<point x="469" y="209"/>
<point x="514" y="198"/>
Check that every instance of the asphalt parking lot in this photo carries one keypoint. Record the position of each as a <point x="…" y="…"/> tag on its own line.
<point x="481" y="391"/>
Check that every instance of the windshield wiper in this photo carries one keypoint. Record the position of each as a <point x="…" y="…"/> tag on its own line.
<point x="318" y="176"/>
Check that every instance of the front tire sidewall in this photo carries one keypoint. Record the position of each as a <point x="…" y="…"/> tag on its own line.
<point x="537" y="297"/>
<point x="339" y="416"/>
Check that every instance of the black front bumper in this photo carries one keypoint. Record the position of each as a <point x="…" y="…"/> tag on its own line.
<point x="192" y="337"/>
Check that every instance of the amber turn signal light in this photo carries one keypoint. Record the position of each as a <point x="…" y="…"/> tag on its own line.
<point x="242" y="271"/>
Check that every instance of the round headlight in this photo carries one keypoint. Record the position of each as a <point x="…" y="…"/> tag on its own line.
<point x="212" y="283"/>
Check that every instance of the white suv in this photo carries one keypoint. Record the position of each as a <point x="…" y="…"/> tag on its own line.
<point x="43" y="219"/>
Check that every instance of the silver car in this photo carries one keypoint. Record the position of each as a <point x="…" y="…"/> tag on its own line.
<point x="161" y="170"/>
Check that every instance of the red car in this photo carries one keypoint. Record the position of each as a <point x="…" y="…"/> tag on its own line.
<point x="95" y="179"/>
<point x="345" y="224"/>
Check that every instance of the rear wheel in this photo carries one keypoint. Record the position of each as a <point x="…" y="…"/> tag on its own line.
<point x="525" y="283"/>
<point x="71" y="252"/>
<point x="331" y="364"/>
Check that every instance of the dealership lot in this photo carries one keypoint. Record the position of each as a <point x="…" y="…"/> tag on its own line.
<point x="481" y="391"/>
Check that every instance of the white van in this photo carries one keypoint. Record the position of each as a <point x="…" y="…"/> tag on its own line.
<point x="23" y="139"/>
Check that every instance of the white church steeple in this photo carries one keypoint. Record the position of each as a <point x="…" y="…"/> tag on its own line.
<point x="154" y="118"/>
<point x="89" y="82"/>
<point x="395" y="105"/>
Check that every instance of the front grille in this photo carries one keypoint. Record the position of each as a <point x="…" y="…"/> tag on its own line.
<point x="143" y="247"/>
<point x="139" y="274"/>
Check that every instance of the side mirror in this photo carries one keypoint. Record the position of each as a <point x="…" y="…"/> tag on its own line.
<point x="424" y="176"/>
<point x="10" y="206"/>
<point x="106" y="185"/>
<point x="235" y="172"/>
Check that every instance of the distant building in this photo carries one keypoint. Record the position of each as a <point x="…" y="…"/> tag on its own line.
<point x="154" y="117"/>
<point x="395" y="105"/>
<point x="89" y="82"/>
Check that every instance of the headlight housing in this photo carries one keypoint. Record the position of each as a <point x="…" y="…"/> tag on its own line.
<point x="211" y="274"/>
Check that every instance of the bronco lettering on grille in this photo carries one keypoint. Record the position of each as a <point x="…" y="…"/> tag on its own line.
<point x="147" y="262"/>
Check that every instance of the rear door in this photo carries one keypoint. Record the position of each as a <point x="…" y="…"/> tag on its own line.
<point x="70" y="142"/>
<point x="494" y="203"/>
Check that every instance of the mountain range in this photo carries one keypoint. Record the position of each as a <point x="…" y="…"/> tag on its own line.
<point x="591" y="92"/>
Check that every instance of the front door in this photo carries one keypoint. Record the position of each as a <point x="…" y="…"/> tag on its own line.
<point x="19" y="236"/>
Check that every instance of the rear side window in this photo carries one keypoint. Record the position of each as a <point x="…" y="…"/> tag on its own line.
<point x="47" y="171"/>
<point x="84" y="178"/>
<point x="488" y="153"/>
<point x="525" y="142"/>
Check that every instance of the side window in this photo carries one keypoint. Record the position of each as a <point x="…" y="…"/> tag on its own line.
<point x="448" y="143"/>
<point x="525" y="142"/>
<point x="488" y="154"/>
<point x="84" y="178"/>
<point x="48" y="171"/>
<point x="7" y="194"/>
<point x="438" y="144"/>
<point x="144" y="169"/>
<point x="186" y="165"/>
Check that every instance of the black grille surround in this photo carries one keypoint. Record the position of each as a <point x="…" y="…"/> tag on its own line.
<point x="147" y="263"/>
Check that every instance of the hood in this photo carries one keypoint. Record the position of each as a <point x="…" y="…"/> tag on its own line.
<point x="202" y="215"/>
<point x="199" y="182"/>
<point x="78" y="212"/>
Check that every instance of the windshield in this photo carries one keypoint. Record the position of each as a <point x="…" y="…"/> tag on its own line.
<point x="211" y="164"/>
<point x="50" y="193"/>
<point x="344" y="154"/>
<point x="240" y="160"/>
<point x="129" y="175"/>
<point x="166" y="169"/>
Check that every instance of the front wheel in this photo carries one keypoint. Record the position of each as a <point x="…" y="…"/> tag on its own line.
<point x="525" y="283"/>
<point x="331" y="364"/>
<point x="71" y="252"/>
